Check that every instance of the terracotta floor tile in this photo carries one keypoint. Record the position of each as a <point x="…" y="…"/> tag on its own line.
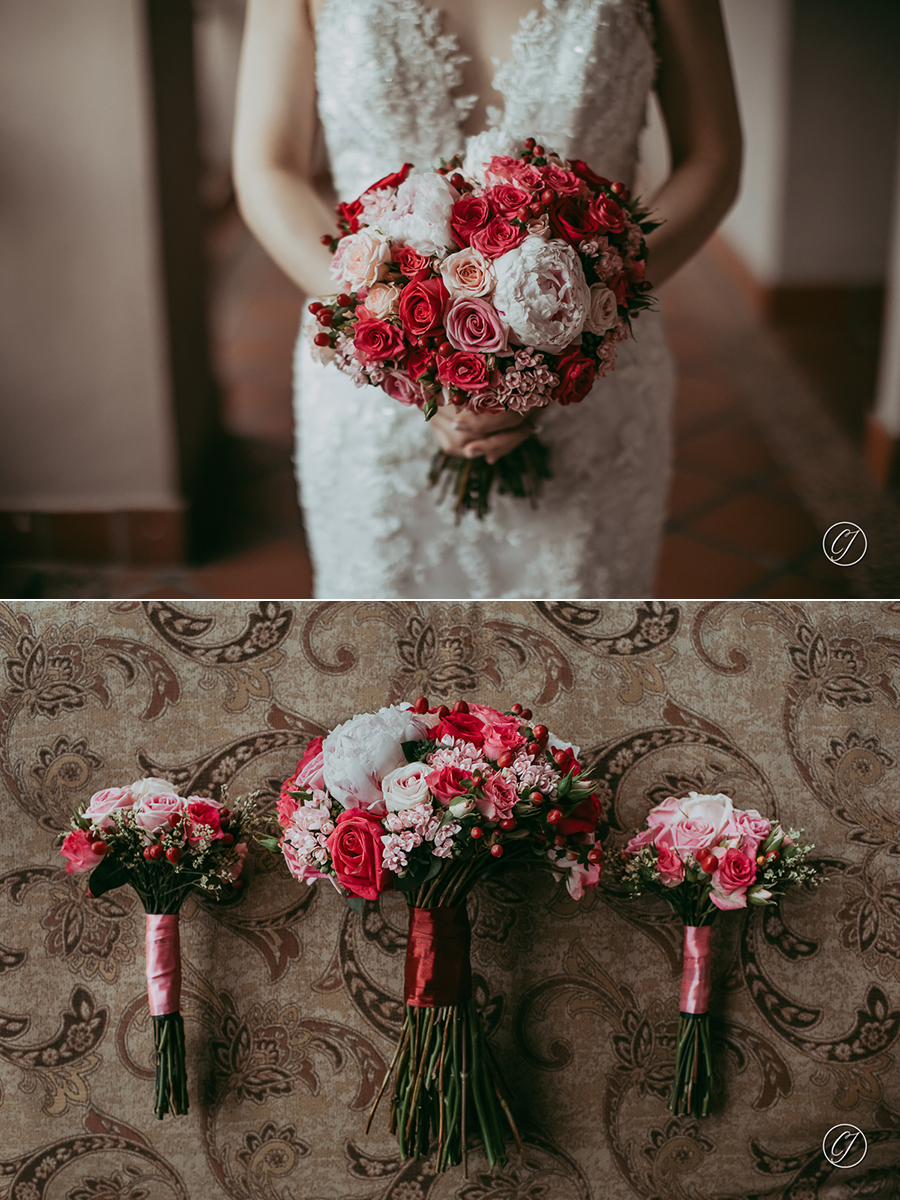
<point x="692" y="570"/>
<point x="760" y="525"/>
<point x="700" y="399"/>
<point x="726" y="454"/>
<point x="688" y="492"/>
<point x="278" y="570"/>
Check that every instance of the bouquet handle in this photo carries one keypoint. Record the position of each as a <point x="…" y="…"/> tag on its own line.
<point x="693" y="1056"/>
<point x="163" y="948"/>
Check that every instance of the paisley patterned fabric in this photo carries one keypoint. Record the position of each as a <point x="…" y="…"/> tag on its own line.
<point x="578" y="76"/>
<point x="292" y="1003"/>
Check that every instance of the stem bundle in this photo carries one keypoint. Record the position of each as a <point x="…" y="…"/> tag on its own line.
<point x="171" y="1073"/>
<point x="693" y="1067"/>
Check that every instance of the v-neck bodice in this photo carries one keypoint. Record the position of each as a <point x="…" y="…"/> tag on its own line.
<point x="577" y="78"/>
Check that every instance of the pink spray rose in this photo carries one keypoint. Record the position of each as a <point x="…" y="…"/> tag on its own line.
<point x="499" y="797"/>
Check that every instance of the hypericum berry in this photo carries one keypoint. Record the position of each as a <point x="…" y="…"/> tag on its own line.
<point x="497" y="851"/>
<point x="237" y="884"/>
<point x="315" y="306"/>
<point x="594" y="856"/>
<point x="539" y="152"/>
<point x="508" y="823"/>
<point x="98" y="847"/>
<point x="536" y="798"/>
<point x="559" y="757"/>
<point x="344" y="300"/>
<point x="421" y="705"/>
<point x="456" y="179"/>
<point x="460" y="706"/>
<point x="442" y="171"/>
<point x="522" y="214"/>
<point x="559" y="840"/>
<point x="772" y="856"/>
<point x="571" y="855"/>
<point x="322" y="339"/>
<point x="536" y="209"/>
<point x="529" y="143"/>
<point x="477" y="832"/>
<point x="617" y="188"/>
<point x="526" y="714"/>
<point x="325" y="239"/>
<point x="227" y="839"/>
<point x="173" y="854"/>
<point x="547" y="197"/>
<point x="708" y="863"/>
<point x="540" y="732"/>
<point x="443" y="711"/>
<point x="760" y="860"/>
<point x="515" y="708"/>
<point x="325" y="317"/>
<point x="444" y="349"/>
<point x="147" y="853"/>
<point x="554" y="816"/>
<point x="506" y="759"/>
<point x="156" y="851"/>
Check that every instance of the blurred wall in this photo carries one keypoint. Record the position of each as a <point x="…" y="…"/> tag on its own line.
<point x="86" y="413"/>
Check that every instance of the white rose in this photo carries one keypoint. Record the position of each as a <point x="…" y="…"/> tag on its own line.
<point x="361" y="259"/>
<point x="468" y="273"/>
<point x="461" y="807"/>
<point x="319" y="354"/>
<point x="542" y="293"/>
<point x="481" y="149"/>
<point x="604" y="311"/>
<point x="151" y="786"/>
<point x="406" y="787"/>
<point x="357" y="755"/>
<point x="422" y="217"/>
<point x="383" y="300"/>
<point x="716" y="810"/>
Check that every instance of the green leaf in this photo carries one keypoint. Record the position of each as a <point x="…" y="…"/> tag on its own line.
<point x="270" y="843"/>
<point x="356" y="903"/>
<point x="108" y="875"/>
<point x="417" y="751"/>
<point x="430" y="408"/>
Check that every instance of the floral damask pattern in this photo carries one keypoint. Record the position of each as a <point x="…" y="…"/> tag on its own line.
<point x="292" y="1003"/>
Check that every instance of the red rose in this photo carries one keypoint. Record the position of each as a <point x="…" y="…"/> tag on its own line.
<point x="583" y="171"/>
<point x="419" y="361"/>
<point x="530" y="177"/>
<point x="409" y="260"/>
<point x="582" y="819"/>
<point x="391" y="181"/>
<point x="618" y="285"/>
<point x="465" y="726"/>
<point x="497" y="237"/>
<point x="571" y="220"/>
<point x="421" y="307"/>
<point x="448" y="783"/>
<point x="465" y="370"/>
<point x="608" y="214"/>
<point x="376" y="341"/>
<point x="350" y="213"/>
<point x="470" y="213"/>
<point x="564" y="183"/>
<point x="201" y="815"/>
<point x="506" y="200"/>
<point x="355" y="848"/>
<point x="576" y="375"/>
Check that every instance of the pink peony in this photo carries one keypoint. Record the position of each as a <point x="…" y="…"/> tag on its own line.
<point x="76" y="847"/>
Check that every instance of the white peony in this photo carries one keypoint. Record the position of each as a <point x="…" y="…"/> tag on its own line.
<point x="406" y="787"/>
<point x="357" y="755"/>
<point x="542" y="293"/>
<point x="482" y="148"/>
<point x="422" y="215"/>
<point x="604" y="311"/>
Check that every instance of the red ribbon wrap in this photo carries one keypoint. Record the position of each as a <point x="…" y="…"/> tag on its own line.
<point x="695" y="973"/>
<point x="163" y="963"/>
<point x="438" y="972"/>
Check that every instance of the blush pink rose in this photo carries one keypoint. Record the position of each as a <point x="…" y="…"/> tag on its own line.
<point x="468" y="273"/>
<point x="691" y="835"/>
<point x="153" y="812"/>
<point x="361" y="259"/>
<point x="500" y="796"/>
<point x="500" y="731"/>
<point x="383" y="300"/>
<point x="473" y="324"/>
<point x="300" y="870"/>
<point x="752" y="829"/>
<point x="77" y="848"/>
<point x="103" y="803"/>
<point x="399" y="386"/>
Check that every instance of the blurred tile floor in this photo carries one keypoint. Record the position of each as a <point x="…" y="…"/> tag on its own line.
<point x="737" y="528"/>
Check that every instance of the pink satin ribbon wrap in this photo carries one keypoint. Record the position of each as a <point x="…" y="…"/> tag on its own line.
<point x="163" y="963"/>
<point x="695" y="973"/>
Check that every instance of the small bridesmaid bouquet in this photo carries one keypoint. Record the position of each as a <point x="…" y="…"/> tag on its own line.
<point x="429" y="802"/>
<point x="705" y="856"/>
<point x="162" y="845"/>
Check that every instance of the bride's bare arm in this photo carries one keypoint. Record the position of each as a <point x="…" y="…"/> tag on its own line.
<point x="273" y="140"/>
<point x="696" y="94"/>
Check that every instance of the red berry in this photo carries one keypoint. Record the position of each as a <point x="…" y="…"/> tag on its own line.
<point x="460" y="706"/>
<point x="617" y="188"/>
<point x="527" y="714"/>
<point x="760" y="860"/>
<point x="98" y="847"/>
<point x="554" y="816"/>
<point x="522" y="214"/>
<point x="536" y="209"/>
<point x="227" y="839"/>
<point x="539" y="152"/>
<point x="421" y="705"/>
<point x="559" y="840"/>
<point x="540" y="731"/>
<point x="594" y="856"/>
<point x="515" y="708"/>
<point x="322" y="339"/>
<point x="173" y="854"/>
<point x="442" y="170"/>
<point x="773" y="856"/>
<point x="559" y="757"/>
<point x="443" y="711"/>
<point x="477" y="832"/>
<point x="156" y="851"/>
<point x="237" y="884"/>
<point x="708" y="863"/>
<point x="508" y="823"/>
<point x="536" y="798"/>
<point x="529" y="143"/>
<point x="344" y="300"/>
<point x="325" y="317"/>
<point x="456" y="179"/>
<point x="497" y="851"/>
<point x="147" y="853"/>
<point x="315" y="306"/>
<point x="547" y="197"/>
<point x="506" y="759"/>
<point x="325" y="239"/>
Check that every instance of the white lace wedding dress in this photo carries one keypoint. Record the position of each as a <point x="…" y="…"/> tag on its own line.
<point x="577" y="80"/>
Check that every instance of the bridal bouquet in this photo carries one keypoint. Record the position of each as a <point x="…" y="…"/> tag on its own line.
<point x="501" y="282"/>
<point x="705" y="856"/>
<point x="429" y="801"/>
<point x="162" y="845"/>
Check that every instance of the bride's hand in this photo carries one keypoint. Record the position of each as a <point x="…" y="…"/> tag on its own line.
<point x="471" y="435"/>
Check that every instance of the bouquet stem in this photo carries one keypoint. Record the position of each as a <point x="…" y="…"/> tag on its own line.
<point x="171" y="1072"/>
<point x="693" y="1056"/>
<point x="164" y="999"/>
<point x="519" y="473"/>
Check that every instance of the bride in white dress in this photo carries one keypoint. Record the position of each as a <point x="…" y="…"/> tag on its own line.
<point x="395" y="81"/>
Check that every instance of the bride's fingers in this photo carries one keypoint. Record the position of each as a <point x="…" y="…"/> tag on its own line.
<point x="495" y="445"/>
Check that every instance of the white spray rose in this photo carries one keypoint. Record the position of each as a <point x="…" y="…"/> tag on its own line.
<point x="604" y="311"/>
<point x="542" y="293"/>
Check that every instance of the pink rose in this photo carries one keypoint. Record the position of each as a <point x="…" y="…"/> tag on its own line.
<point x="579" y="877"/>
<point x="201" y="815"/>
<point x="604" y="311"/>
<point x="447" y="783"/>
<point x="506" y="200"/>
<point x="470" y="214"/>
<point x="735" y="873"/>
<point x="153" y="812"/>
<point x="77" y="848"/>
<point x="527" y="176"/>
<point x="671" y="868"/>
<point x="500" y="796"/>
<point x="468" y="273"/>
<point x="607" y="214"/>
<point x="361" y="259"/>
<point x="500" y="731"/>
<point x="382" y="300"/>
<point x="242" y="851"/>
<point x="105" y="802"/>
<point x="473" y="324"/>
<point x="300" y="870"/>
<point x="564" y="183"/>
<point x="498" y="237"/>
<point x="750" y="827"/>
<point x="399" y="386"/>
<point x="691" y="835"/>
<point x="464" y="369"/>
<point x="308" y="775"/>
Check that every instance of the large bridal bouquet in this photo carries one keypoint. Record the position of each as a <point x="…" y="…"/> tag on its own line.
<point x="162" y="845"/>
<point x="430" y="801"/>
<point x="502" y="281"/>
<point x="705" y="856"/>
